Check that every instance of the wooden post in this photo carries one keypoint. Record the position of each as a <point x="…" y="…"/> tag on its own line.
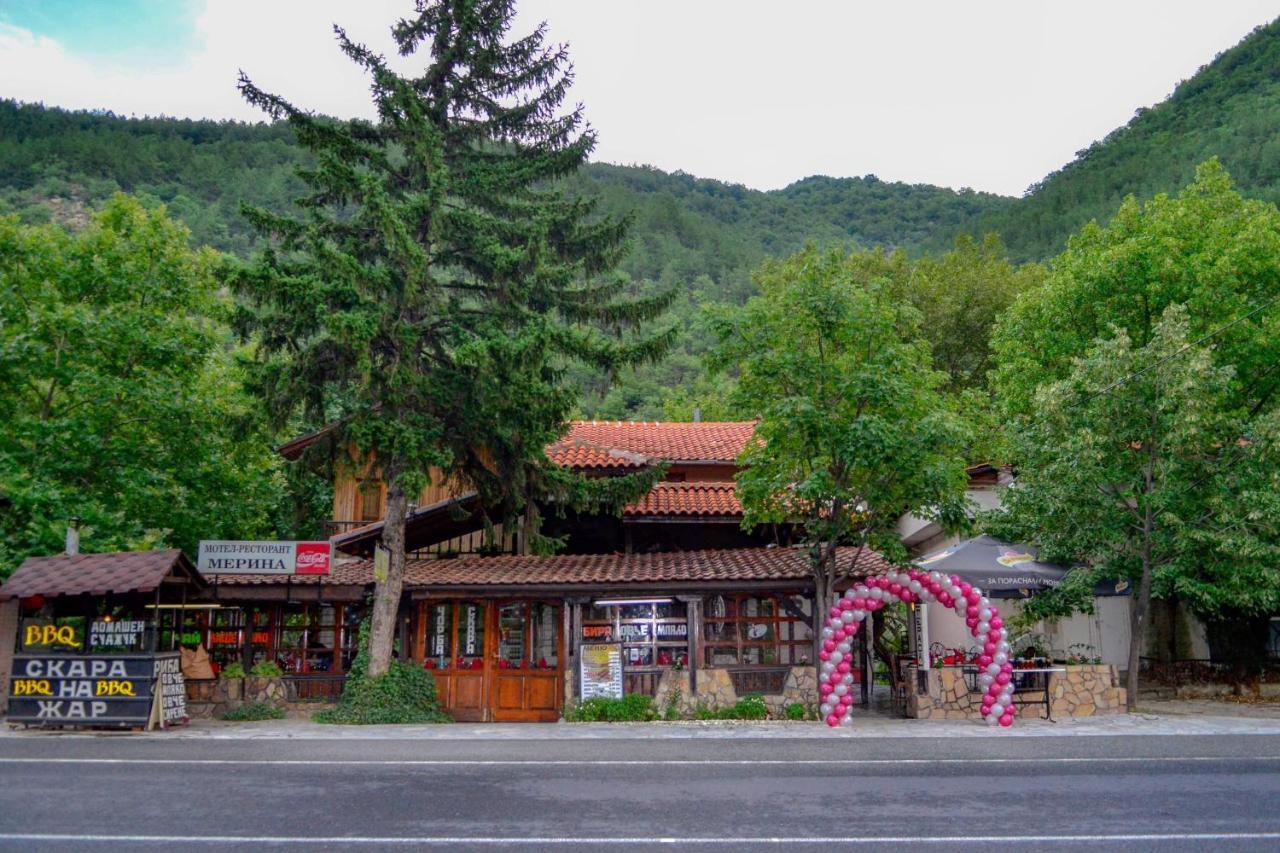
<point x="693" y="614"/>
<point x="574" y="627"/>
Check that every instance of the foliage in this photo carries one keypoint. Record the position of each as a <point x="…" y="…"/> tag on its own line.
<point x="1129" y="468"/>
<point x="232" y="670"/>
<point x="797" y="711"/>
<point x="1215" y="258"/>
<point x="853" y="428"/>
<point x="122" y="393"/>
<point x="404" y="693"/>
<point x="671" y="710"/>
<point x="699" y="238"/>
<point x="266" y="669"/>
<point x="1230" y="109"/>
<point x="632" y="708"/>
<point x="749" y="707"/>
<point x="254" y="711"/>
<point x="428" y="300"/>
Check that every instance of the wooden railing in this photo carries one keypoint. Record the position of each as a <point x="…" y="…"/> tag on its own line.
<point x="313" y="688"/>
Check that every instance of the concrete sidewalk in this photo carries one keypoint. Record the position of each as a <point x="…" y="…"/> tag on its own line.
<point x="1175" y="719"/>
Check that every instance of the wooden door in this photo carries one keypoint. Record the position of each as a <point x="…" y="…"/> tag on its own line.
<point x="455" y="640"/>
<point x="524" y="670"/>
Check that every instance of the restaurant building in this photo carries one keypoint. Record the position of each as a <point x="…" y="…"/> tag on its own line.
<point x="690" y="601"/>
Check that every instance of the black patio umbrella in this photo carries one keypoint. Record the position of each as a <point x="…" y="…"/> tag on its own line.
<point x="1002" y="569"/>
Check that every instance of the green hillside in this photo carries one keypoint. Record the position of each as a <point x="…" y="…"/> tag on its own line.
<point x="1230" y="110"/>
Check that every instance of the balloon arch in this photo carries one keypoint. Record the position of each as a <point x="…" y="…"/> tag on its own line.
<point x="835" y="683"/>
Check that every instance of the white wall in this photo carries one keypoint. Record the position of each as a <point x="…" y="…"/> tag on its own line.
<point x="1106" y="629"/>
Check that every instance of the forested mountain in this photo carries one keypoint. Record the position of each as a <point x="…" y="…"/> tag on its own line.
<point x="700" y="237"/>
<point x="1230" y="110"/>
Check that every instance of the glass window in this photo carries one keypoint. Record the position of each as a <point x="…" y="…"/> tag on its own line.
<point x="757" y="630"/>
<point x="469" y="651"/>
<point x="652" y="634"/>
<point x="306" y="638"/>
<point x="511" y="635"/>
<point x="545" y="629"/>
<point x="439" y="633"/>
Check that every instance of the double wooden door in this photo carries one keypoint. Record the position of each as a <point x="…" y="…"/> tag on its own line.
<point x="497" y="661"/>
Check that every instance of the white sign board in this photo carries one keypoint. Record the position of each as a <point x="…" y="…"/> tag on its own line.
<point x="601" y="670"/>
<point x="237" y="557"/>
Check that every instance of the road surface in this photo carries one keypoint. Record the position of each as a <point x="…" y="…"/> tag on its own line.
<point x="61" y="792"/>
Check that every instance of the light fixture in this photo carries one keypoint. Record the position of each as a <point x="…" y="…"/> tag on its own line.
<point x="619" y="602"/>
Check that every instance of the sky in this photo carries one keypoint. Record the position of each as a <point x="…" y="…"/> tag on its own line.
<point x="986" y="94"/>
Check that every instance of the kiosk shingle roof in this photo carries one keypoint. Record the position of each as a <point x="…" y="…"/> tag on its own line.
<point x="735" y="564"/>
<point x="93" y="574"/>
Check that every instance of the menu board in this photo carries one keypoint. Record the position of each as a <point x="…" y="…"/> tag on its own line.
<point x="96" y="690"/>
<point x="601" y="670"/>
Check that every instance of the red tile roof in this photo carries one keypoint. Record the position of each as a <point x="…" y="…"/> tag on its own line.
<point x="687" y="499"/>
<point x="736" y="564"/>
<point x="94" y="574"/>
<point x="707" y="441"/>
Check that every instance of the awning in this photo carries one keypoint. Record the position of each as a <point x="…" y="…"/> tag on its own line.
<point x="99" y="574"/>
<point x="1004" y="570"/>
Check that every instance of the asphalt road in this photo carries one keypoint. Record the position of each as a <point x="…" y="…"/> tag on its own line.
<point x="1130" y="793"/>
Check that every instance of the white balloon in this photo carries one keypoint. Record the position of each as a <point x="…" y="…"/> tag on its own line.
<point x="836" y="657"/>
<point x="984" y="613"/>
<point x="993" y="667"/>
<point x="983" y="628"/>
<point x="840" y="690"/>
<point x="861" y="590"/>
<point x="848" y="678"/>
<point x="846" y="721"/>
<point x="935" y="577"/>
<point x="843" y="649"/>
<point x="828" y="633"/>
<point x="1001" y="658"/>
<point x="846" y="617"/>
<point x="1004" y="647"/>
<point x="877" y="593"/>
<point x="858" y="615"/>
<point x="828" y="667"/>
<point x="915" y="587"/>
<point x="825" y="709"/>
<point x="985" y="680"/>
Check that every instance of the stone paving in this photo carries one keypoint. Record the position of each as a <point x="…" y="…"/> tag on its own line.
<point x="1158" y="718"/>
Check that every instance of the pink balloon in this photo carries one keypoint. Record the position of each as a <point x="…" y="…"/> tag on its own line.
<point x="1006" y="720"/>
<point x="845" y="604"/>
<point x="846" y="699"/>
<point x="824" y="655"/>
<point x="826" y="687"/>
<point x="973" y="596"/>
<point x="988" y="649"/>
<point x="828" y="645"/>
<point x="984" y="660"/>
<point x="1006" y="667"/>
<point x="1003" y="678"/>
<point x="834" y="612"/>
<point x="833" y="720"/>
<point x="996" y="623"/>
<point x="895" y="589"/>
<point x="972" y="622"/>
<point x="843" y="667"/>
<point x="971" y="611"/>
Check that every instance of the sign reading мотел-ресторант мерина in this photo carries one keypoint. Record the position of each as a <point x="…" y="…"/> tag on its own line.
<point x="237" y="557"/>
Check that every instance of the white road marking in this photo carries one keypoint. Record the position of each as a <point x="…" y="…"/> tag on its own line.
<point x="636" y="762"/>
<point x="524" y="841"/>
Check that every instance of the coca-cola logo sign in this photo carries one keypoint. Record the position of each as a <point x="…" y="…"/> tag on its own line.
<point x="313" y="558"/>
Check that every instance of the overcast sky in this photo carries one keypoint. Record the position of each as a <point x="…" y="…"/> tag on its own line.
<point x="989" y="95"/>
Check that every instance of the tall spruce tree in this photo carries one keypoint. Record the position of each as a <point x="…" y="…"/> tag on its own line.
<point x="436" y="282"/>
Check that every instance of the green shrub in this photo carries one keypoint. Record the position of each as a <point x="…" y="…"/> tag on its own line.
<point x="405" y="693"/>
<point x="633" y="708"/>
<point x="749" y="707"/>
<point x="266" y="669"/>
<point x="233" y="670"/>
<point x="795" y="711"/>
<point x="251" y="711"/>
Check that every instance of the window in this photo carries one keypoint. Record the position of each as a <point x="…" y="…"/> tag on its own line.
<point x="652" y="635"/>
<point x="757" y="630"/>
<point x="369" y="499"/>
<point x="306" y="638"/>
<point x="455" y="635"/>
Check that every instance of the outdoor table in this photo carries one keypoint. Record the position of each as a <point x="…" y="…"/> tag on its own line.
<point x="1031" y="681"/>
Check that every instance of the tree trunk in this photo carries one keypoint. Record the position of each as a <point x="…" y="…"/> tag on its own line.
<point x="1138" y="615"/>
<point x="386" y="591"/>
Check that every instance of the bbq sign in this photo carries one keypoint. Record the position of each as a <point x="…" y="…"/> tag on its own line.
<point x="63" y="690"/>
<point x="236" y="557"/>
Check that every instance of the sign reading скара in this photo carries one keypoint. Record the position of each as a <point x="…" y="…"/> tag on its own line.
<point x="236" y="557"/>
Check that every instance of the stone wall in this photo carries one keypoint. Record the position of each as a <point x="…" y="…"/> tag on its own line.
<point x="1080" y="691"/>
<point x="716" y="690"/>
<point x="212" y="698"/>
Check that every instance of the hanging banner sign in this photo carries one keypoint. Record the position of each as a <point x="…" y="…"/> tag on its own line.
<point x="601" y="670"/>
<point x="235" y="557"/>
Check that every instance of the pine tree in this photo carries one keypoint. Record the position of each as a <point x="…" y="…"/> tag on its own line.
<point x="437" y="282"/>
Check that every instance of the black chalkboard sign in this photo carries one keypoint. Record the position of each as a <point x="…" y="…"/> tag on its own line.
<point x="94" y="690"/>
